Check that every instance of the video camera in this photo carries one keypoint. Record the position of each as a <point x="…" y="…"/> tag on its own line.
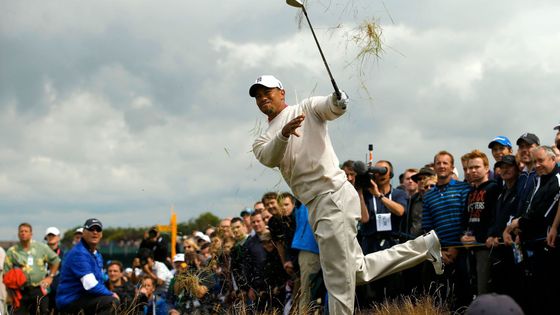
<point x="364" y="174"/>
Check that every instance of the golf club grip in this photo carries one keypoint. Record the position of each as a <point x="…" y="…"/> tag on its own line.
<point x="336" y="90"/>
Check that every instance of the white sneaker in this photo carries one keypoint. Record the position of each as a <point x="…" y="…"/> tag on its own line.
<point x="434" y="251"/>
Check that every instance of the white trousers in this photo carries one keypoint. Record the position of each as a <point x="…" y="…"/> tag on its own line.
<point x="333" y="217"/>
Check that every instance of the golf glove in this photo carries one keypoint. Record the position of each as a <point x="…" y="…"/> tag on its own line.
<point x="342" y="102"/>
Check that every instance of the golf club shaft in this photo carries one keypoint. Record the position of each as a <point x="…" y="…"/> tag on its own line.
<point x="336" y="90"/>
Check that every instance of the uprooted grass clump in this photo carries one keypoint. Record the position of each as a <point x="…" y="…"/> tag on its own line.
<point x="367" y="38"/>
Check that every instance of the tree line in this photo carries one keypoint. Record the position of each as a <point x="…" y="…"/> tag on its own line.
<point x="199" y="223"/>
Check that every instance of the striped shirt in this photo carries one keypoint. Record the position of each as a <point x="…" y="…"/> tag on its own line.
<point x="444" y="207"/>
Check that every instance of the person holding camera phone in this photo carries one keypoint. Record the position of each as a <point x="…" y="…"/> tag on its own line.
<point x="297" y="142"/>
<point x="148" y="301"/>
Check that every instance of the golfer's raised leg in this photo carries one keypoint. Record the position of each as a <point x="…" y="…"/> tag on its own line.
<point x="400" y="257"/>
<point x="333" y="217"/>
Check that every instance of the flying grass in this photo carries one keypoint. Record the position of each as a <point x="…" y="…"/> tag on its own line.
<point x="367" y="38"/>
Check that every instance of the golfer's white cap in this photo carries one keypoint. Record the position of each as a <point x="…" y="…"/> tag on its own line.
<point x="265" y="80"/>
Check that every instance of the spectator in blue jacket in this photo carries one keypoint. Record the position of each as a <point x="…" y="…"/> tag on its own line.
<point x="150" y="302"/>
<point x="81" y="287"/>
<point x="308" y="257"/>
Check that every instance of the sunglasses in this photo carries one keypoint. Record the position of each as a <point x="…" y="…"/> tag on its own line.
<point x="430" y="186"/>
<point x="94" y="229"/>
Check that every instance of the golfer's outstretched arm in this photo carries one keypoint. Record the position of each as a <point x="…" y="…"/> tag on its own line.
<point x="270" y="150"/>
<point x="326" y="107"/>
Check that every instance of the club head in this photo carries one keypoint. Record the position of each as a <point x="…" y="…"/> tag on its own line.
<point x="295" y="3"/>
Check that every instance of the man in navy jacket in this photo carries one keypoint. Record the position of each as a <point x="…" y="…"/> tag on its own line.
<point x="81" y="285"/>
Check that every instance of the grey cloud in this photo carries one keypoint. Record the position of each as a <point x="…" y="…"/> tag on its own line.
<point x="137" y="106"/>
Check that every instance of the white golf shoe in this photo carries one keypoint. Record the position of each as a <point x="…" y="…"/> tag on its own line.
<point x="434" y="251"/>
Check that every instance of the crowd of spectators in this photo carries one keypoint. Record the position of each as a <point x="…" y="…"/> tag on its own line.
<point x="497" y="226"/>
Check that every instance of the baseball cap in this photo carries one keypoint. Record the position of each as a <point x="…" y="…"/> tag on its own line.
<point x="52" y="230"/>
<point x="268" y="81"/>
<point x="203" y="236"/>
<point x="245" y="212"/>
<point x="530" y="138"/>
<point x="494" y="304"/>
<point x="506" y="159"/>
<point x="424" y="171"/>
<point x="557" y="127"/>
<point x="91" y="223"/>
<point x="179" y="257"/>
<point x="79" y="230"/>
<point x="503" y="140"/>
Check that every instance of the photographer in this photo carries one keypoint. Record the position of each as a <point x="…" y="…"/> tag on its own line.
<point x="385" y="207"/>
<point x="155" y="242"/>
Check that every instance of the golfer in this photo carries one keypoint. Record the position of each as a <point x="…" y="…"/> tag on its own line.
<point x="297" y="142"/>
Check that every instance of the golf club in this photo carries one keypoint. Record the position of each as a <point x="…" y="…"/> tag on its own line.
<point x="299" y="4"/>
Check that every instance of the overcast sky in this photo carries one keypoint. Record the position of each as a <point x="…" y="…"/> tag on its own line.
<point x="121" y="110"/>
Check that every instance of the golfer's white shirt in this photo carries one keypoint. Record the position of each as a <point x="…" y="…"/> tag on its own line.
<point x="308" y="163"/>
